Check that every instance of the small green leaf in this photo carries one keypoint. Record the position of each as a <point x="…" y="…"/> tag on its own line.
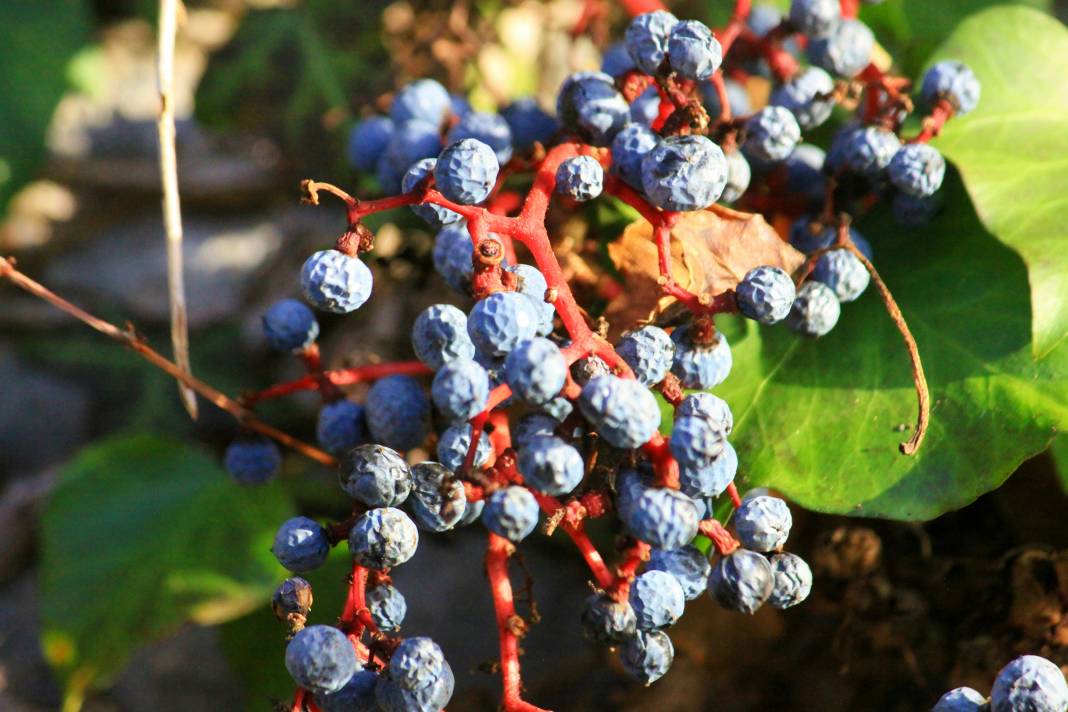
<point x="141" y="535"/>
<point x="34" y="79"/>
<point x="821" y="420"/>
<point x="1013" y="150"/>
<point x="913" y="29"/>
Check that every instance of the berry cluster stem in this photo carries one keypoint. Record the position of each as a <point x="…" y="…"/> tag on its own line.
<point x="509" y="625"/>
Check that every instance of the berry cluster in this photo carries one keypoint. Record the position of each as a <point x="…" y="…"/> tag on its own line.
<point x="533" y="415"/>
<point x="1028" y="684"/>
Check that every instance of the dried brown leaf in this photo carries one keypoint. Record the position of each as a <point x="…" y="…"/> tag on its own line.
<point x="711" y="251"/>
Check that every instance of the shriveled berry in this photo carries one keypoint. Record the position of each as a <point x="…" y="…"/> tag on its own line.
<point x="815" y="311"/>
<point x="466" y="171"/>
<point x="501" y="321"/>
<point x="961" y="699"/>
<point x="647" y="38"/>
<point x="454" y="443"/>
<point x="1029" y="684"/>
<point x="648" y="656"/>
<point x="843" y="273"/>
<point x="657" y="599"/>
<point x="684" y="173"/>
<point x="511" y="512"/>
<point x="793" y="580"/>
<point x="709" y="478"/>
<point x="535" y="370"/>
<point x="809" y="96"/>
<point x="383" y="538"/>
<point x="460" y="389"/>
<point x="953" y="81"/>
<point x="418" y="678"/>
<point x="375" y="475"/>
<point x="765" y="294"/>
<point x="335" y="282"/>
<point x="622" y="411"/>
<point x="663" y="518"/>
<point x="387" y="607"/>
<point x="741" y="581"/>
<point x="917" y="169"/>
<point x="763" y="523"/>
<point x="687" y="565"/>
<point x="439" y="335"/>
<point x="589" y="104"/>
<point x="698" y="365"/>
<point x="772" y="133"/>
<point x="649" y="352"/>
<point x="437" y="501"/>
<point x="321" y="659"/>
<point x="580" y="178"/>
<point x="608" y="622"/>
<point x="693" y="52"/>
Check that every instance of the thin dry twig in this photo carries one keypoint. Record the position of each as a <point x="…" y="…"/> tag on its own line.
<point x="128" y="337"/>
<point x="172" y="213"/>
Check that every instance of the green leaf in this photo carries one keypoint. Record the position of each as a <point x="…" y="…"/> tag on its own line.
<point x="142" y="534"/>
<point x="913" y="29"/>
<point x="34" y="79"/>
<point x="1013" y="150"/>
<point x="821" y="420"/>
<point x="1059" y="451"/>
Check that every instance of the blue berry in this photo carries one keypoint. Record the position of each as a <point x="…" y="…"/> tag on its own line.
<point x="645" y="109"/>
<point x="459" y="105"/>
<point x="340" y="426"/>
<point x="696" y="441"/>
<point x="693" y="52"/>
<point x="684" y="173"/>
<point x="532" y="283"/>
<point x="608" y="622"/>
<point x="358" y="695"/>
<point x="616" y="60"/>
<point x="700" y="366"/>
<point x="290" y="326"/>
<point x="511" y="512"/>
<point x="397" y="412"/>
<point x="439" y="335"/>
<point x="622" y="411"/>
<point x="529" y="124"/>
<point x="630" y="484"/>
<point x="321" y="659"/>
<point x="335" y="282"/>
<point x="763" y="523"/>
<point x="292" y="597"/>
<point x="454" y="444"/>
<point x="687" y="565"/>
<point x="913" y="212"/>
<point x="647" y="39"/>
<point x="662" y="518"/>
<point x="424" y="100"/>
<point x="793" y="580"/>
<point x="960" y="699"/>
<point x="383" y="538"/>
<point x="808" y="95"/>
<point x="472" y="513"/>
<point x="531" y="426"/>
<point x="535" y="370"/>
<point x="741" y="581"/>
<point x="804" y="173"/>
<point x="648" y="656"/>
<point x="869" y="150"/>
<point x="953" y="81"/>
<point x="815" y="311"/>
<point x="815" y="18"/>
<point x="466" y="171"/>
<point x="1029" y="684"/>
<point x="843" y="273"/>
<point x="438" y="500"/>
<point x="368" y="141"/>
<point x="772" y="133"/>
<point x="375" y="475"/>
<point x="836" y="154"/>
<point x="738" y="176"/>
<point x="418" y="678"/>
<point x="590" y="105"/>
<point x="737" y="99"/>
<point x="550" y="465"/>
<point x="808" y="234"/>
<point x="709" y="478"/>
<point x="412" y="141"/>
<point x="452" y="256"/>
<point x="433" y="215"/>
<point x="252" y="460"/>
<point x="557" y="408"/>
<point x="460" y="389"/>
<point x="387" y="607"/>
<point x="710" y="407"/>
<point x="657" y="599"/>
<point x="629" y="148"/>
<point x="846" y="51"/>
<point x="490" y="129"/>
<point x="766" y="294"/>
<point x="580" y="178"/>
<point x="763" y="19"/>
<point x="587" y="368"/>
<point x="300" y="545"/>
<point x="649" y="352"/>
<point x="917" y="169"/>
<point x="501" y="321"/>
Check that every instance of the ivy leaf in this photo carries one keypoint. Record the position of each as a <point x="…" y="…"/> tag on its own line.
<point x="142" y="534"/>
<point x="821" y="420"/>
<point x="1011" y="150"/>
<point x="913" y="29"/>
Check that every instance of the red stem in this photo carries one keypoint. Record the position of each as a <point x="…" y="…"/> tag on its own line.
<point x="850" y="8"/>
<point x="620" y="588"/>
<point x="932" y="125"/>
<point x="732" y="492"/>
<point x="509" y="625"/>
<point x="640" y="7"/>
<point x="340" y="377"/>
<point x="577" y="532"/>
